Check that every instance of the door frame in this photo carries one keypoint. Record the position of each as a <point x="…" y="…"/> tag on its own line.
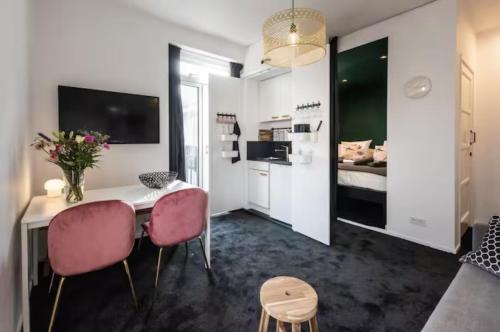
<point x="467" y="70"/>
<point x="334" y="134"/>
<point x="202" y="94"/>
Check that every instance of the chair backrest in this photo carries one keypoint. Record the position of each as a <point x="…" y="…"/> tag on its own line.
<point x="91" y="236"/>
<point x="178" y="217"/>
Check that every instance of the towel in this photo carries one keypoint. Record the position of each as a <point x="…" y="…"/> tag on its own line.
<point x="236" y="146"/>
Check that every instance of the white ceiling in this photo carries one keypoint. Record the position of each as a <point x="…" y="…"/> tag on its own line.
<point x="485" y="14"/>
<point x="240" y="21"/>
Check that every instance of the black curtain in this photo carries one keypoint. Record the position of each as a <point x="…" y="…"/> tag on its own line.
<point x="177" y="161"/>
<point x="236" y="72"/>
<point x="235" y="69"/>
<point x="334" y="134"/>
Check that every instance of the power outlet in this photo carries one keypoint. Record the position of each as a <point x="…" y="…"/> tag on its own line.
<point x="418" y="221"/>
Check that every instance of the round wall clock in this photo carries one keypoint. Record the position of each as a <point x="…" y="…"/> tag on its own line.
<point x="418" y="87"/>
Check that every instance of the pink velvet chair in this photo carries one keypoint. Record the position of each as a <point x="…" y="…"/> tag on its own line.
<point x="178" y="218"/>
<point x="90" y="237"/>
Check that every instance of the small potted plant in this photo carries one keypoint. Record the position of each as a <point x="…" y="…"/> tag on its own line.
<point x="73" y="153"/>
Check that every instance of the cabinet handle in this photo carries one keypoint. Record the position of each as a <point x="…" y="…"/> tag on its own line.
<point x="285" y="116"/>
<point x="263" y="174"/>
<point x="275" y="117"/>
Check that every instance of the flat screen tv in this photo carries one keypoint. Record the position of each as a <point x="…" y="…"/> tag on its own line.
<point x="126" y="118"/>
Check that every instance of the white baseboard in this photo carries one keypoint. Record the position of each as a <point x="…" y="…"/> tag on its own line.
<point x="404" y="237"/>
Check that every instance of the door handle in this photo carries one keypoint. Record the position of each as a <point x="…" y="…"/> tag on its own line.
<point x="472" y="137"/>
<point x="263" y="174"/>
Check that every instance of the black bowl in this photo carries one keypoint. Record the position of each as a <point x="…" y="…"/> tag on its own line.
<point x="157" y="180"/>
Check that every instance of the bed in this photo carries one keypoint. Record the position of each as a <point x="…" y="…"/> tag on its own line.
<point x="362" y="176"/>
<point x="362" y="183"/>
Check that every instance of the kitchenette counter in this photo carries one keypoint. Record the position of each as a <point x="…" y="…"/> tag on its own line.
<point x="273" y="161"/>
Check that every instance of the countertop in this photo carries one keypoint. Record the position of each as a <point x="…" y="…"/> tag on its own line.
<point x="273" y="161"/>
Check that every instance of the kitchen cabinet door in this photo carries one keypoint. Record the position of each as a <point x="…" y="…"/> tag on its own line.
<point x="269" y="99"/>
<point x="286" y="108"/>
<point x="280" y="193"/>
<point x="258" y="188"/>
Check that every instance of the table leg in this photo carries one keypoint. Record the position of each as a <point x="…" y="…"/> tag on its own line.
<point x="34" y="259"/>
<point x="25" y="277"/>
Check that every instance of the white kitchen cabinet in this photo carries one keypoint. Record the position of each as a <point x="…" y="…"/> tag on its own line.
<point x="280" y="193"/>
<point x="258" y="187"/>
<point x="275" y="98"/>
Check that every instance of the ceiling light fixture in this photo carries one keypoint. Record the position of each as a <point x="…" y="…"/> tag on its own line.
<point x="294" y="37"/>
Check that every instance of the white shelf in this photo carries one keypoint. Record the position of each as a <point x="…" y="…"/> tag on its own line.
<point x="304" y="137"/>
<point x="228" y="137"/>
<point x="229" y="154"/>
<point x="300" y="158"/>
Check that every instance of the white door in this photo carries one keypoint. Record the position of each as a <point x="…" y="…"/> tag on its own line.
<point x="226" y="180"/>
<point x="281" y="193"/>
<point x="467" y="139"/>
<point x="258" y="187"/>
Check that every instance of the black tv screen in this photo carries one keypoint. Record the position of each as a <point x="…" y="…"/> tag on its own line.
<point x="126" y="118"/>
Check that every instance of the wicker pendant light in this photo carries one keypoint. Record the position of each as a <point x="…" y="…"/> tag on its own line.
<point x="294" y="37"/>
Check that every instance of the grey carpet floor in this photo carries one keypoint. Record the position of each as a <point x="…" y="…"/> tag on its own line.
<point x="366" y="282"/>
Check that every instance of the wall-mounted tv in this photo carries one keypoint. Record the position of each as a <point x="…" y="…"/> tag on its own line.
<point x="126" y="118"/>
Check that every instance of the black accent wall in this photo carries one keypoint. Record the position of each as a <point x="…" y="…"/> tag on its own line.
<point x="362" y="76"/>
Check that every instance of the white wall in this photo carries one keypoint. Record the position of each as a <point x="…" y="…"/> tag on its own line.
<point x="311" y="182"/>
<point x="227" y="180"/>
<point x="487" y="119"/>
<point x="421" y="133"/>
<point x="109" y="46"/>
<point x="15" y="173"/>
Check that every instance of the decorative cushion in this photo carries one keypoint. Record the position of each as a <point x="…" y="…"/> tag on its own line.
<point x="364" y="145"/>
<point x="380" y="153"/>
<point x="488" y="256"/>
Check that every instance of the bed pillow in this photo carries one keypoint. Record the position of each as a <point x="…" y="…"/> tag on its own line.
<point x="488" y="256"/>
<point x="365" y="145"/>
<point x="380" y="153"/>
<point x="356" y="152"/>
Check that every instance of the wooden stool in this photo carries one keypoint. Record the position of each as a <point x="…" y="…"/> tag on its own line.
<point x="288" y="300"/>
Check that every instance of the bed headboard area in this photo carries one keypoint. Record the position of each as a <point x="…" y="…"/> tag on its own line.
<point x="362" y="75"/>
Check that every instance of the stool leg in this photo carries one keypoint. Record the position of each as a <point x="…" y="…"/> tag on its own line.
<point x="280" y="326"/>
<point x="313" y="324"/>
<point x="264" y="321"/>
<point x="296" y="327"/>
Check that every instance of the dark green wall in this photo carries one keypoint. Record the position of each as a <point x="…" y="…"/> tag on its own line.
<point x="363" y="98"/>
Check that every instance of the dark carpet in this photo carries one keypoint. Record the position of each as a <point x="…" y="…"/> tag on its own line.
<point x="366" y="282"/>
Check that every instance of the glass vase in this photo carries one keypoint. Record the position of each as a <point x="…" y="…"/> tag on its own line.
<point x="73" y="185"/>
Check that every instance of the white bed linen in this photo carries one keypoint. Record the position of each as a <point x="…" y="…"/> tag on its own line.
<point x="362" y="180"/>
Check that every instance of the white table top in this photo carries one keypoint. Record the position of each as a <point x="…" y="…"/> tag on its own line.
<point x="42" y="209"/>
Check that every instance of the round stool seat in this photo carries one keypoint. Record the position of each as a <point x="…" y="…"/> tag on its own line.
<point x="289" y="299"/>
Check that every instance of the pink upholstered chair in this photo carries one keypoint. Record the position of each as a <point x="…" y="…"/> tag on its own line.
<point x="178" y="218"/>
<point x="90" y="237"/>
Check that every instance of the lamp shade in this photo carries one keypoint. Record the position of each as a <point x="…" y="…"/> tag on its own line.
<point x="54" y="187"/>
<point x="294" y="37"/>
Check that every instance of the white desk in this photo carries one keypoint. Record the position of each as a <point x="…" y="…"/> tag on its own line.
<point x="42" y="209"/>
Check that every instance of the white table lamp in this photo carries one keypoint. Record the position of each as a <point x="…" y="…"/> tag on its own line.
<point x="54" y="187"/>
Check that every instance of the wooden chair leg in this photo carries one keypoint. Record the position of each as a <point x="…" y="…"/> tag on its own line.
<point x="264" y="321"/>
<point x="313" y="324"/>
<point x="280" y="326"/>
<point x="54" y="310"/>
<point x="158" y="267"/>
<point x="296" y="327"/>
